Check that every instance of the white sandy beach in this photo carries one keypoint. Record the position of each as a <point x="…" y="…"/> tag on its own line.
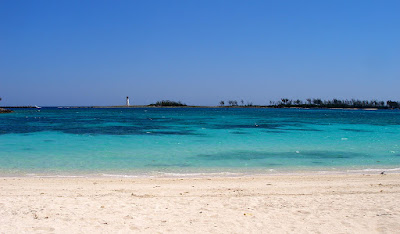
<point x="259" y="204"/>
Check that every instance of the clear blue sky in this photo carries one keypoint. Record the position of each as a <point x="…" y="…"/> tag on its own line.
<point x="199" y="52"/>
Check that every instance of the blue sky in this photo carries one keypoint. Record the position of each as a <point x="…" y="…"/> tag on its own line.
<point x="199" y="52"/>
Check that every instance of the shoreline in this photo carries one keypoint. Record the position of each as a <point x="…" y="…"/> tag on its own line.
<point x="204" y="174"/>
<point x="257" y="204"/>
<point x="201" y="177"/>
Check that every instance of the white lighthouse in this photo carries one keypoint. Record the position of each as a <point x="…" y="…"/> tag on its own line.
<point x="127" y="101"/>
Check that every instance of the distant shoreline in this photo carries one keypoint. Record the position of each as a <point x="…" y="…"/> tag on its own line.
<point x="3" y="110"/>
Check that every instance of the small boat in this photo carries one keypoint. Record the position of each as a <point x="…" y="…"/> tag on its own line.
<point x="38" y="107"/>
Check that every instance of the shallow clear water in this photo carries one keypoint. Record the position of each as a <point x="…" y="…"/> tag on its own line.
<point x="149" y="141"/>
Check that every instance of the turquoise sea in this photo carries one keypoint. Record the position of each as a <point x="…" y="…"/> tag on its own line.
<point x="188" y="141"/>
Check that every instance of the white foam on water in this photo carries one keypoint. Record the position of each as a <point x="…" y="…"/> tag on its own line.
<point x="120" y="176"/>
<point x="200" y="174"/>
<point x="376" y="170"/>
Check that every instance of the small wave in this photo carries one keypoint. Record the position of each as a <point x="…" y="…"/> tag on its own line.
<point x="375" y="170"/>
<point x="200" y="174"/>
<point x="120" y="176"/>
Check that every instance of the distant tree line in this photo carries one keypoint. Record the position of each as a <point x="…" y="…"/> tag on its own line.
<point x="233" y="103"/>
<point x="168" y="103"/>
<point x="335" y="103"/>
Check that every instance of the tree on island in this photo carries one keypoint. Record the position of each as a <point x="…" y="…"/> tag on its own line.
<point x="233" y="103"/>
<point x="168" y="103"/>
<point x="317" y="101"/>
<point x="285" y="101"/>
<point x="392" y="104"/>
<point x="222" y="103"/>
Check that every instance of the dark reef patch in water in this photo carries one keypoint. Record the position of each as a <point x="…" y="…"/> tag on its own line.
<point x="305" y="129"/>
<point x="354" y="130"/>
<point x="273" y="164"/>
<point x="246" y="126"/>
<point x="315" y="162"/>
<point x="239" y="133"/>
<point x="181" y="132"/>
<point x="275" y="131"/>
<point x="168" y="165"/>
<point x="115" y="130"/>
<point x="104" y="125"/>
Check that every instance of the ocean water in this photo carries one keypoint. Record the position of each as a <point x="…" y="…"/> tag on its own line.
<point x="188" y="141"/>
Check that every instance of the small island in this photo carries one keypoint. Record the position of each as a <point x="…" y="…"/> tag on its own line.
<point x="5" y="110"/>
<point x="168" y="103"/>
<point x="2" y="110"/>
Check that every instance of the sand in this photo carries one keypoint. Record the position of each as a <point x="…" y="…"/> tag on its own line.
<point x="258" y="204"/>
